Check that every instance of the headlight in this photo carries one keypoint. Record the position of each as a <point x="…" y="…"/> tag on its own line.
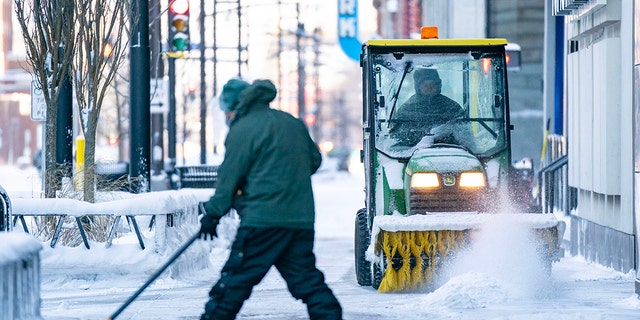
<point x="425" y="180"/>
<point x="472" y="179"/>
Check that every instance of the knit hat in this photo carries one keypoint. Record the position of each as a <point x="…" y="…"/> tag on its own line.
<point x="423" y="75"/>
<point x="426" y="74"/>
<point x="230" y="93"/>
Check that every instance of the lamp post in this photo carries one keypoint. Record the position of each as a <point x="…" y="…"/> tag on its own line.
<point x="64" y="125"/>
<point x="140" y="132"/>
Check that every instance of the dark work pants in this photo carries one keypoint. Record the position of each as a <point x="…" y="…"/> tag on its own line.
<point x="253" y="253"/>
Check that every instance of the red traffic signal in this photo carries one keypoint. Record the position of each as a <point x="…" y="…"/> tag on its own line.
<point x="192" y="87"/>
<point x="179" y="7"/>
<point x="310" y="119"/>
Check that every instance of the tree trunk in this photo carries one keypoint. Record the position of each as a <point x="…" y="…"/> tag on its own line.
<point x="51" y="181"/>
<point x="90" y="163"/>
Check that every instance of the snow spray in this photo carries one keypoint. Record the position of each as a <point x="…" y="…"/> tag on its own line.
<point x="505" y="249"/>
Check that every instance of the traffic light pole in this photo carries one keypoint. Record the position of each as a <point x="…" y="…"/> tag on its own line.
<point x="171" y="116"/>
<point x="157" y="72"/>
<point x="140" y="131"/>
<point x="178" y="27"/>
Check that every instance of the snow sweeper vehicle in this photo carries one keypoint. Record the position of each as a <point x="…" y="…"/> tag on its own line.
<point x="437" y="160"/>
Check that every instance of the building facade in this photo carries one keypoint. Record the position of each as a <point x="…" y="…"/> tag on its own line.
<point x="19" y="135"/>
<point x="601" y="105"/>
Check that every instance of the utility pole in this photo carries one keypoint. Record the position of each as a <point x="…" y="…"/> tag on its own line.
<point x="171" y="115"/>
<point x="316" y="82"/>
<point x="279" y="53"/>
<point x="215" y="64"/>
<point x="203" y="88"/>
<point x="301" y="74"/>
<point x="239" y="39"/>
<point x="140" y="132"/>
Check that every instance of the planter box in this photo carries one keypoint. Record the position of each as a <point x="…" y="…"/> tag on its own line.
<point x="19" y="276"/>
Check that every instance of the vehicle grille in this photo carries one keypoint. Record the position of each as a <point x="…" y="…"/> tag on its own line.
<point x="445" y="199"/>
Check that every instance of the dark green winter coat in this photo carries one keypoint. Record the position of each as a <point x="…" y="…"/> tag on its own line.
<point x="267" y="167"/>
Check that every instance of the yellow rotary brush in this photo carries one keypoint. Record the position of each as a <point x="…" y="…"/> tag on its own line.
<point x="413" y="257"/>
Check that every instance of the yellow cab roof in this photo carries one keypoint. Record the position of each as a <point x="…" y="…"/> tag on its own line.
<point x="436" y="42"/>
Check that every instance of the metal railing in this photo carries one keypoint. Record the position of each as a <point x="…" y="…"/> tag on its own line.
<point x="5" y="211"/>
<point x="555" y="194"/>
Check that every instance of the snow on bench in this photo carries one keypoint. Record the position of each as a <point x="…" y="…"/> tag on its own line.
<point x="169" y="203"/>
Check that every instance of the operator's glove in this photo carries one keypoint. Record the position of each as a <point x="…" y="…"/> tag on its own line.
<point x="208" y="224"/>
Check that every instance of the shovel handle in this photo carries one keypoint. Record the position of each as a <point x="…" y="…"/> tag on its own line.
<point x="153" y="277"/>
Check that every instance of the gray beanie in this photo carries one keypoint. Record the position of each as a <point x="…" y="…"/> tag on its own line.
<point x="426" y="74"/>
<point x="422" y="75"/>
<point x="230" y="93"/>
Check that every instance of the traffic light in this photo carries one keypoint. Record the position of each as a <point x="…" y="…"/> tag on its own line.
<point x="310" y="119"/>
<point x="192" y="90"/>
<point x="179" y="25"/>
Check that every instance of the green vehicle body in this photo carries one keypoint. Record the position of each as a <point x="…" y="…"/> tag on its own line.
<point x="474" y="74"/>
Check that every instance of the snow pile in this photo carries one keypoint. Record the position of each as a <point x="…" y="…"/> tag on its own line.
<point x="471" y="290"/>
<point x="100" y="266"/>
<point x="15" y="246"/>
<point x="595" y="271"/>
<point x="633" y="302"/>
<point x="77" y="267"/>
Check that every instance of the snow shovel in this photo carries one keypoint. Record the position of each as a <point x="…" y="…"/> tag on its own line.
<point x="156" y="274"/>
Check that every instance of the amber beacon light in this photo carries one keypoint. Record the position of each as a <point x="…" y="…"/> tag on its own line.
<point x="429" y="32"/>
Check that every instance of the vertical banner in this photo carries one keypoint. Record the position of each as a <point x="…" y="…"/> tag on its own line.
<point x="348" y="28"/>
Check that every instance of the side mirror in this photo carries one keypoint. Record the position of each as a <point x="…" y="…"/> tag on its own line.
<point x="513" y="55"/>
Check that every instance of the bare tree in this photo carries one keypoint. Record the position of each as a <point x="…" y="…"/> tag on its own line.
<point x="48" y="30"/>
<point x="102" y="41"/>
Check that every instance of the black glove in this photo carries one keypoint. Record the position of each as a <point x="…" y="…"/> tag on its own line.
<point x="208" y="224"/>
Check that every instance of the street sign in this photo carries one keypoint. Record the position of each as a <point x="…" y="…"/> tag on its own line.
<point x="348" y="28"/>
<point x="38" y="104"/>
<point x="159" y="95"/>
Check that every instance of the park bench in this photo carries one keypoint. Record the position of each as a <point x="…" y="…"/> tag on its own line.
<point x="198" y="176"/>
<point x="174" y="204"/>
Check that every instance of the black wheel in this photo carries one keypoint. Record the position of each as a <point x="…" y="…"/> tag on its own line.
<point x="362" y="239"/>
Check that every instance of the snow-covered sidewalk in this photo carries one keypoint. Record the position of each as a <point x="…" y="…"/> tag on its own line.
<point x="490" y="282"/>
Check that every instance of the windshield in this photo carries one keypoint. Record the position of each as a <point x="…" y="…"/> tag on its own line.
<point x="424" y="99"/>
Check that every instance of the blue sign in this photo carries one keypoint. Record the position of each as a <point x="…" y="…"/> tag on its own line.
<point x="348" y="28"/>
